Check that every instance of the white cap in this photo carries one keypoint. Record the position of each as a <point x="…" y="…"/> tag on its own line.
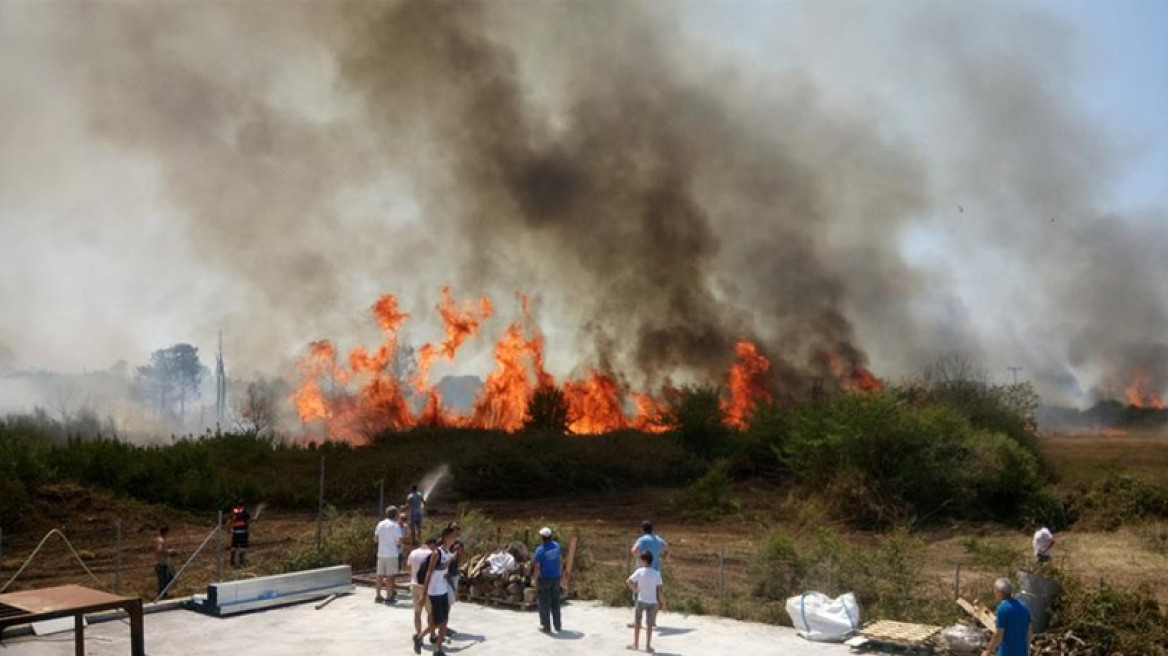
<point x="545" y="532"/>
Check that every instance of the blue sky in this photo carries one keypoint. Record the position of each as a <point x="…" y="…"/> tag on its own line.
<point x="1125" y="85"/>
<point x="1121" y="50"/>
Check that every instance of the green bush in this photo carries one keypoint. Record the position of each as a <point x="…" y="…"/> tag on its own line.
<point x="1118" y="500"/>
<point x="699" y="420"/>
<point x="348" y="540"/>
<point x="1110" y="621"/>
<point x="708" y="498"/>
<point x="880" y="460"/>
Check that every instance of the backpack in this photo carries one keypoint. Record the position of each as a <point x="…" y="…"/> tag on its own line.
<point x="426" y="566"/>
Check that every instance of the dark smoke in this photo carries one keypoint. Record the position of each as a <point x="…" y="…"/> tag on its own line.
<point x="603" y="157"/>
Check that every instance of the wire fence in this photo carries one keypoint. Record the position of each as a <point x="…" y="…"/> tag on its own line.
<point x="725" y="579"/>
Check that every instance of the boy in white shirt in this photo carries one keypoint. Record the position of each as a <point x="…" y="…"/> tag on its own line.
<point x="388" y="538"/>
<point x="646" y="582"/>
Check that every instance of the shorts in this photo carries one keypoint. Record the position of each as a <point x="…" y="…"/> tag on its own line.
<point x="439" y="609"/>
<point x="416" y="522"/>
<point x="650" y="611"/>
<point x="1042" y="558"/>
<point x="419" y="597"/>
<point x="386" y="565"/>
<point x="239" y="539"/>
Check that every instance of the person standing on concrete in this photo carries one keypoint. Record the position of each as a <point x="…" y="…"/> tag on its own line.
<point x="417" y="504"/>
<point x="1043" y="543"/>
<point x="438" y="590"/>
<point x="162" y="556"/>
<point x="650" y="543"/>
<point x="547" y="573"/>
<point x="388" y="537"/>
<point x="1015" y="632"/>
<point x="646" y="584"/>
<point x="417" y="559"/>
<point x="403" y="526"/>
<point x="240" y="523"/>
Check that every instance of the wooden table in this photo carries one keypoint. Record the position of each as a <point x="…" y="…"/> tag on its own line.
<point x="71" y="600"/>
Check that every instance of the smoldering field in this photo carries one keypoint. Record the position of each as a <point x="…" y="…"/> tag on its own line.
<point x="886" y="183"/>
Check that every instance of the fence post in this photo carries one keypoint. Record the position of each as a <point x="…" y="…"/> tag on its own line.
<point x="721" y="576"/>
<point x="219" y="546"/>
<point x="957" y="581"/>
<point x="117" y="556"/>
<point x="320" y="507"/>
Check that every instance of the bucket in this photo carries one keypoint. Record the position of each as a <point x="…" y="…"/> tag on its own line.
<point x="1037" y="593"/>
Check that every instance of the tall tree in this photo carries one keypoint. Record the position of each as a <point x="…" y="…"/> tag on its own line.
<point x="173" y="375"/>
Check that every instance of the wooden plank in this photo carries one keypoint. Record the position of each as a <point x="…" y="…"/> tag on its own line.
<point x="979" y="613"/>
<point x="572" y="543"/>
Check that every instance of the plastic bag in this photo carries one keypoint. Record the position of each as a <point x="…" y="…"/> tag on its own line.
<point x="820" y="618"/>
<point x="963" y="639"/>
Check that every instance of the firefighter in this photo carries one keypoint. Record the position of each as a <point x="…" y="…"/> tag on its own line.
<point x="240" y="523"/>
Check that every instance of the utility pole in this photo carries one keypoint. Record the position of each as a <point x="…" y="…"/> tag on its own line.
<point x="220" y="383"/>
<point x="1015" y="371"/>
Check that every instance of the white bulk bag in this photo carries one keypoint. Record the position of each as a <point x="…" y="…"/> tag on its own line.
<point x="820" y="618"/>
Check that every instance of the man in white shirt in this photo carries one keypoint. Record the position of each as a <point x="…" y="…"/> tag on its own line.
<point x="388" y="537"/>
<point x="415" y="561"/>
<point x="1043" y="543"/>
<point x="646" y="583"/>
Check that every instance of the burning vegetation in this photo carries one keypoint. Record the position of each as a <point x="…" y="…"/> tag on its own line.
<point x="369" y="395"/>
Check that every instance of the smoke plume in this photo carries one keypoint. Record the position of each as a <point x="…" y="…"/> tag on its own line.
<point x="275" y="166"/>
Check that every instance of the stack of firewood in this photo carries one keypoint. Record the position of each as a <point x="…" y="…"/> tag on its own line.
<point x="1059" y="644"/>
<point x="480" y="585"/>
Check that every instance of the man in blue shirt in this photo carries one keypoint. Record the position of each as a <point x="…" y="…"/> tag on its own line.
<point x="650" y="542"/>
<point x="1013" y="621"/>
<point x="417" y="503"/>
<point x="546" y="574"/>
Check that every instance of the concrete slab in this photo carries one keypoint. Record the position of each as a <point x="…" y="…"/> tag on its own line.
<point x="354" y="625"/>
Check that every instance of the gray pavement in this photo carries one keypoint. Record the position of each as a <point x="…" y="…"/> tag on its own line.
<point x="355" y="625"/>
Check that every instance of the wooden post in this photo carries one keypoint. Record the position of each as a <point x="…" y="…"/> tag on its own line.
<point x="79" y="634"/>
<point x="137" y="633"/>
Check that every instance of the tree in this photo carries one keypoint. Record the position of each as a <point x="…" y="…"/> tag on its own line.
<point x="700" y="420"/>
<point x="173" y="375"/>
<point x="547" y="411"/>
<point x="259" y="409"/>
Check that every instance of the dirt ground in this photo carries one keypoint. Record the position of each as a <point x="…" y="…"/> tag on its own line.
<point x="608" y="525"/>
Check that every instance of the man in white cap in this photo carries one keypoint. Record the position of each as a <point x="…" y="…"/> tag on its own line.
<point x="546" y="575"/>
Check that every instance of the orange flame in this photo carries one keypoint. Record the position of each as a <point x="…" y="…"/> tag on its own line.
<point x="1137" y="394"/>
<point x="363" y="396"/>
<point x="747" y="383"/>
<point x="595" y="405"/>
<point x="852" y="376"/>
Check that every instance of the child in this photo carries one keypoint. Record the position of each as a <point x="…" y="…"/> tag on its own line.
<point x="646" y="582"/>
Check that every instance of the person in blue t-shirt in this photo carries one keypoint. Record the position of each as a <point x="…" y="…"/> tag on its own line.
<point x="650" y="542"/>
<point x="1013" y="621"/>
<point x="546" y="574"/>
